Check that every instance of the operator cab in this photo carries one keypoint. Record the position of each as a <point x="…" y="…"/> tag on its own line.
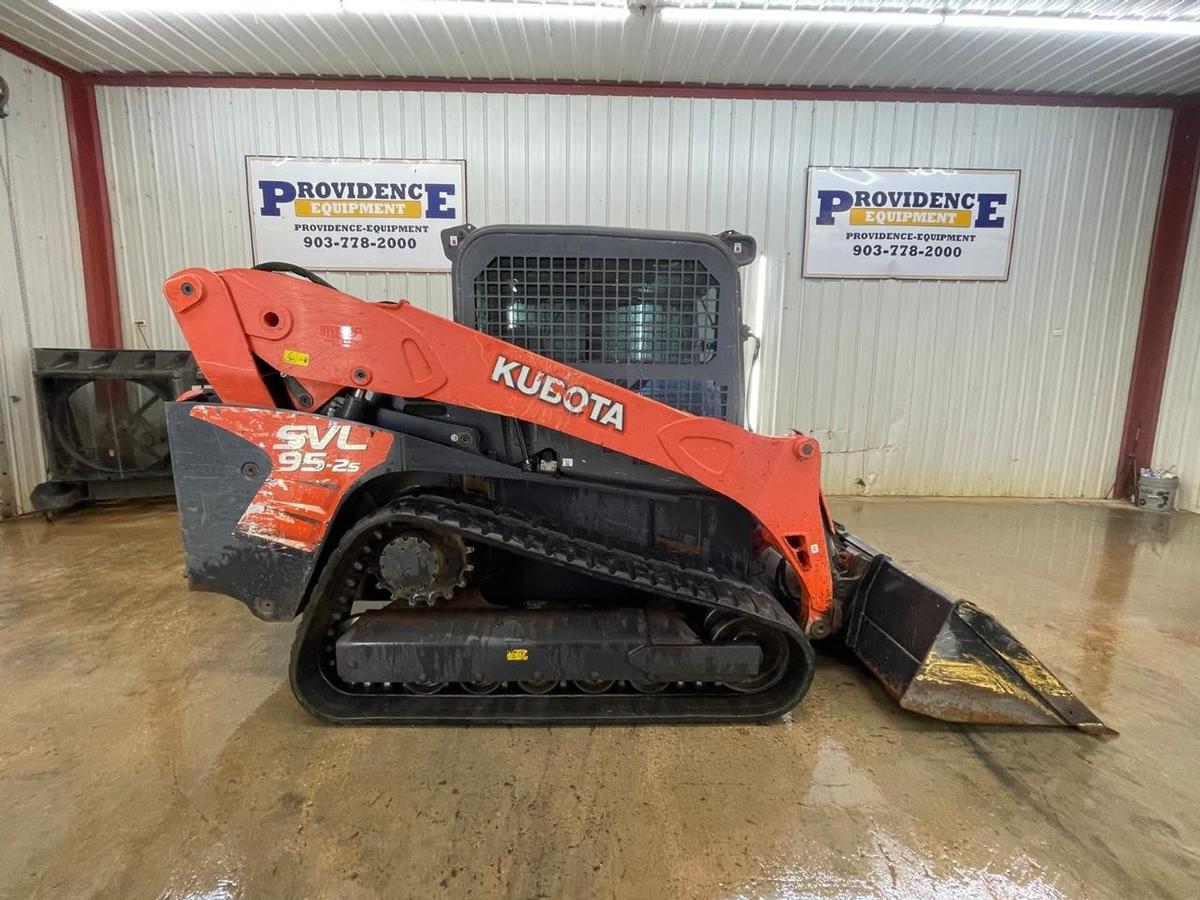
<point x="656" y="312"/>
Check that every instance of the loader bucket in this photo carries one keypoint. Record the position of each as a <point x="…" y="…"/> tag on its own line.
<point x="948" y="659"/>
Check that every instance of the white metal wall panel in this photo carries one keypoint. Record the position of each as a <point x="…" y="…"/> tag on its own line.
<point x="995" y="389"/>
<point x="1178" y="441"/>
<point x="37" y="161"/>
<point x="1011" y="389"/>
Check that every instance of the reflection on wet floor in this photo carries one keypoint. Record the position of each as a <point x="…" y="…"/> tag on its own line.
<point x="149" y="745"/>
<point x="896" y="870"/>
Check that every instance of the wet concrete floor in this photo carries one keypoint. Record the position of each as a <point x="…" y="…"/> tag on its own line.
<point x="149" y="746"/>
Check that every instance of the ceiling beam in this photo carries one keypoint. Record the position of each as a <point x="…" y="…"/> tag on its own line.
<point x="628" y="89"/>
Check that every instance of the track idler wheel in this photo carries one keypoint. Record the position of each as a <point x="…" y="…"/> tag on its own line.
<point x="726" y="628"/>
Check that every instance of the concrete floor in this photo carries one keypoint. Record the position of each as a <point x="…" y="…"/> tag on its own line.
<point x="149" y="745"/>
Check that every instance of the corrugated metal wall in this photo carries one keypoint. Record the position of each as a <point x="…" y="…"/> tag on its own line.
<point x="36" y="158"/>
<point x="1013" y="389"/>
<point x="1178" y="441"/>
<point x="914" y="388"/>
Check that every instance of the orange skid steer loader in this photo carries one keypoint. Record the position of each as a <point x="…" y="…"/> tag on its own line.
<point x="547" y="510"/>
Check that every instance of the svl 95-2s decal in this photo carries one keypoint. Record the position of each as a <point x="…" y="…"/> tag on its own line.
<point x="304" y="448"/>
<point x="314" y="461"/>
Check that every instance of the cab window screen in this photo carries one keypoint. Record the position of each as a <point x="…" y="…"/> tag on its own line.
<point x="617" y="310"/>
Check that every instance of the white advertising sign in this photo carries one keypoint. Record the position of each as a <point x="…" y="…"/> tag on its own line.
<point x="355" y="215"/>
<point x="910" y="223"/>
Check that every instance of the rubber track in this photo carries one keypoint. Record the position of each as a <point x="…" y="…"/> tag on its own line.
<point x="328" y="699"/>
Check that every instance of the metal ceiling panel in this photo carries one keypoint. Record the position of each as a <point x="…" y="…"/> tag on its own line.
<point x="639" y="49"/>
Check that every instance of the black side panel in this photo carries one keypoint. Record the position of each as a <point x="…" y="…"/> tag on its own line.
<point x="217" y="475"/>
<point x="704" y="527"/>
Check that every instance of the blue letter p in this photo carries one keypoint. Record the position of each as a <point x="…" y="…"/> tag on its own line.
<point x="274" y="193"/>
<point x="830" y="202"/>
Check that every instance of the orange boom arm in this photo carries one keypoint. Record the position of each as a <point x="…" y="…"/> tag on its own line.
<point x="328" y="341"/>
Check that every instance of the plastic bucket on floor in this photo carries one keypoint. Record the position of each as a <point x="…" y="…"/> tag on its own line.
<point x="1157" y="493"/>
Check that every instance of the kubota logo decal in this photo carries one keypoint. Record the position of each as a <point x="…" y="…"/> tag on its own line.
<point x="575" y="399"/>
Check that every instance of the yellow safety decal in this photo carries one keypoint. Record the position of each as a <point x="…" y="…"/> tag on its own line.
<point x="295" y="357"/>
<point x="518" y="655"/>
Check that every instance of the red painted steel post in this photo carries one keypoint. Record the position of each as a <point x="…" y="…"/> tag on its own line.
<point x="1164" y="275"/>
<point x="92" y="210"/>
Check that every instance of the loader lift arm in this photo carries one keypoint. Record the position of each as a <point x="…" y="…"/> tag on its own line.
<point x="296" y="327"/>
